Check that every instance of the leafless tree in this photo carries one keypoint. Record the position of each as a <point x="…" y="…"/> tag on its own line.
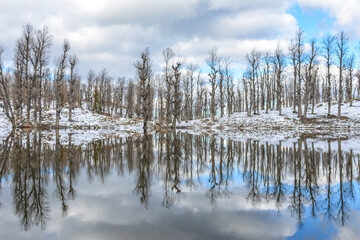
<point x="89" y="92"/>
<point x="358" y="85"/>
<point x="144" y="74"/>
<point x="40" y="59"/>
<point x="299" y="61"/>
<point x="130" y="99"/>
<point x="26" y="45"/>
<point x="293" y="52"/>
<point x="341" y="52"/>
<point x="229" y="82"/>
<point x="328" y="46"/>
<point x="253" y="59"/>
<point x="5" y="102"/>
<point x="309" y="72"/>
<point x="176" y="67"/>
<point x="168" y="54"/>
<point x="73" y="62"/>
<point x="212" y="61"/>
<point x="246" y="101"/>
<point x="279" y="64"/>
<point x="199" y="95"/>
<point x="191" y="69"/>
<point x="119" y="96"/>
<point x="59" y="78"/>
<point x="349" y="80"/>
<point x="221" y="88"/>
<point x="267" y="61"/>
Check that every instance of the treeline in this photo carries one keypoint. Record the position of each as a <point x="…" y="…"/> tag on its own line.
<point x="301" y="76"/>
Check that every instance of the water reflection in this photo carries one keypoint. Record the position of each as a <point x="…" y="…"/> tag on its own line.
<point x="298" y="175"/>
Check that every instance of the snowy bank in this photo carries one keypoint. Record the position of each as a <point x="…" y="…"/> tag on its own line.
<point x="288" y="121"/>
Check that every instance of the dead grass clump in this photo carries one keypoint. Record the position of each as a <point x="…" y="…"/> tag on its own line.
<point x="44" y="126"/>
<point x="26" y="126"/>
<point x="210" y="123"/>
<point x="332" y="116"/>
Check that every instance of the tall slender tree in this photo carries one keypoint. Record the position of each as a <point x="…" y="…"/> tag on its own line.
<point x="144" y="74"/>
<point x="59" y="78"/>
<point x="341" y="51"/>
<point x="328" y="49"/>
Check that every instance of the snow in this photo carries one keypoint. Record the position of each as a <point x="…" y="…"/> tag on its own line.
<point x="287" y="121"/>
<point x="5" y="125"/>
<point x="267" y="127"/>
<point x="85" y="127"/>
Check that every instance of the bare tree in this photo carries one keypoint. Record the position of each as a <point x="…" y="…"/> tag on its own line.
<point x="253" y="59"/>
<point x="59" y="78"/>
<point x="89" y="91"/>
<point x="279" y="64"/>
<point x="229" y="85"/>
<point x="160" y="109"/>
<point x="73" y="62"/>
<point x="144" y="74"/>
<point x="5" y="92"/>
<point x="199" y="95"/>
<point x="186" y="90"/>
<point x="328" y="44"/>
<point x="119" y="95"/>
<point x="358" y="85"/>
<point x="130" y="99"/>
<point x="292" y="50"/>
<point x="267" y="61"/>
<point x="299" y="60"/>
<point x="309" y="78"/>
<point x="168" y="54"/>
<point x="27" y="40"/>
<point x="213" y="61"/>
<point x="102" y="79"/>
<point x="349" y="80"/>
<point x="341" y="51"/>
<point x="246" y="101"/>
<point x="176" y="67"/>
<point x="18" y="90"/>
<point x="41" y="51"/>
<point x="221" y="88"/>
<point x="191" y="69"/>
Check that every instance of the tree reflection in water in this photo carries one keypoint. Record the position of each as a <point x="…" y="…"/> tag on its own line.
<point x="297" y="176"/>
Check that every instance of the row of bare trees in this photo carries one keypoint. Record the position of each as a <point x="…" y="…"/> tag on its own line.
<point x="300" y="77"/>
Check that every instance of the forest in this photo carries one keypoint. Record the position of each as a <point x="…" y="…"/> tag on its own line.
<point x="300" y="76"/>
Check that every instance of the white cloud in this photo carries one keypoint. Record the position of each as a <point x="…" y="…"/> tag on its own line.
<point x="112" y="33"/>
<point x="249" y="24"/>
<point x="345" y="13"/>
<point x="248" y="4"/>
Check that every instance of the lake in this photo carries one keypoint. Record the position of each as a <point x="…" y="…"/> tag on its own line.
<point x="179" y="186"/>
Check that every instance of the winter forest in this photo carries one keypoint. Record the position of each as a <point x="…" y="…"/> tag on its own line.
<point x="182" y="119"/>
<point x="299" y="76"/>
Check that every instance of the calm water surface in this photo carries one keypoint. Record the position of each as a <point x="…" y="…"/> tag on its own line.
<point x="179" y="186"/>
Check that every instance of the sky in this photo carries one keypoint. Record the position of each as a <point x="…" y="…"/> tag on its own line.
<point x="112" y="33"/>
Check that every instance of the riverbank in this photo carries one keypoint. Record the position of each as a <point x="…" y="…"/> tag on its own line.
<point x="88" y="126"/>
<point x="288" y="121"/>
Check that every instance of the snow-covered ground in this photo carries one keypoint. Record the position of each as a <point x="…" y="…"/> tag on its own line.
<point x="85" y="120"/>
<point x="288" y="121"/>
<point x="87" y="126"/>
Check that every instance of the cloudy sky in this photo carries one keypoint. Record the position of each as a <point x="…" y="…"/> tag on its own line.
<point x="112" y="33"/>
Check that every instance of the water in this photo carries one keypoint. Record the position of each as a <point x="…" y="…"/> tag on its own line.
<point x="179" y="186"/>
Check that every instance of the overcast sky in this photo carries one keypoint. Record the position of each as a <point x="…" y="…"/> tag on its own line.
<point x="112" y="33"/>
